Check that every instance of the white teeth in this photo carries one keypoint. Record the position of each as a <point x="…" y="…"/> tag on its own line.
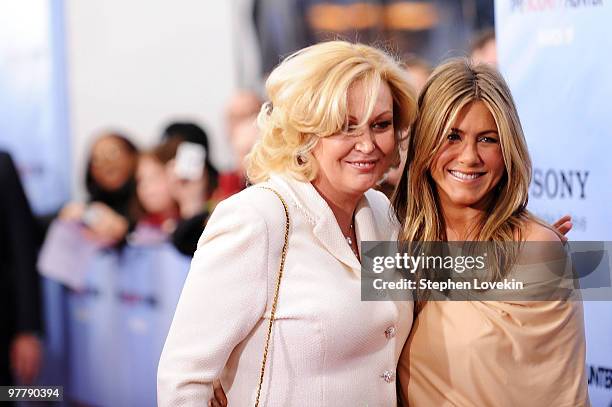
<point x="463" y="175"/>
<point x="363" y="164"/>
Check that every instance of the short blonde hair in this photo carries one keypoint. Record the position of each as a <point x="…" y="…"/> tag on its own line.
<point x="308" y="100"/>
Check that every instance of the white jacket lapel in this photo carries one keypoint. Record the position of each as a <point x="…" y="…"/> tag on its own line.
<point x="325" y="227"/>
<point x="367" y="228"/>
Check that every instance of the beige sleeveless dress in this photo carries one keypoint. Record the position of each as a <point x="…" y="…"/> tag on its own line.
<point x="492" y="353"/>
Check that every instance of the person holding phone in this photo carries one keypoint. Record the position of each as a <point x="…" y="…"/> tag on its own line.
<point x="193" y="178"/>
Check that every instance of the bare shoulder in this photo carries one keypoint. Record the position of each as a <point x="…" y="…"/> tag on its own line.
<point x="536" y="232"/>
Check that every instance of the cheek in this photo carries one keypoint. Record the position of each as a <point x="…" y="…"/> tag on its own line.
<point x="155" y="195"/>
<point x="495" y="161"/>
<point x="152" y="184"/>
<point x="439" y="161"/>
<point x="106" y="177"/>
<point x="97" y="173"/>
<point x="146" y="188"/>
<point x="144" y="195"/>
<point x="387" y="144"/>
<point x="329" y="153"/>
<point x="162" y="188"/>
<point x="128" y="165"/>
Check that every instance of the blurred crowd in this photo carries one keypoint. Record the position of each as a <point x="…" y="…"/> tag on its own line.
<point x="162" y="194"/>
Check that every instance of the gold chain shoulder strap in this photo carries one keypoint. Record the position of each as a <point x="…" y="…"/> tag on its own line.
<point x="276" y="291"/>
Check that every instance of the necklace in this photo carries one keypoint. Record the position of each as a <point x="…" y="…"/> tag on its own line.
<point x="349" y="240"/>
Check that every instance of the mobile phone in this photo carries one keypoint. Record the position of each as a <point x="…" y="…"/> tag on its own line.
<point x="189" y="161"/>
<point x="90" y="216"/>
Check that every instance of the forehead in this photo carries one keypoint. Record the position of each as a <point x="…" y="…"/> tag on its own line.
<point x="475" y="115"/>
<point x="360" y="93"/>
<point x="243" y="102"/>
<point x="107" y="144"/>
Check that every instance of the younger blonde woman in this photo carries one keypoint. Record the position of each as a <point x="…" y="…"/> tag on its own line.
<point x="466" y="179"/>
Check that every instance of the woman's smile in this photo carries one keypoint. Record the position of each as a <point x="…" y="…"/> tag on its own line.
<point x="466" y="177"/>
<point x="363" y="165"/>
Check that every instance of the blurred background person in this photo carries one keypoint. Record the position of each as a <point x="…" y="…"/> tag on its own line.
<point x="192" y="180"/>
<point x="243" y="105"/>
<point x="73" y="238"/>
<point x="418" y="72"/>
<point x="110" y="184"/>
<point x="158" y="209"/>
<point x="244" y="137"/>
<point x="240" y="115"/>
<point x="484" y="47"/>
<point x="20" y="324"/>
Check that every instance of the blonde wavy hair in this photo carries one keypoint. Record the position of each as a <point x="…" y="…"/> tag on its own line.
<point x="452" y="86"/>
<point x="308" y="100"/>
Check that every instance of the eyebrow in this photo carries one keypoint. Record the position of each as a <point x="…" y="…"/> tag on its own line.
<point x="353" y="118"/>
<point x="478" y="134"/>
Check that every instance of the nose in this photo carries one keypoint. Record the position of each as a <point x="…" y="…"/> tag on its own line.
<point x="468" y="155"/>
<point x="365" y="142"/>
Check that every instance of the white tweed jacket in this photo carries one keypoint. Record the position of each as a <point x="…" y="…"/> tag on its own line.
<point x="328" y="347"/>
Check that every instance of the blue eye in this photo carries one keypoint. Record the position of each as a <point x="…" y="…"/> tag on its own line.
<point x="487" y="139"/>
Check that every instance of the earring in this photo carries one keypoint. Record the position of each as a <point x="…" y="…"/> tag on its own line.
<point x="268" y="108"/>
<point x="301" y="159"/>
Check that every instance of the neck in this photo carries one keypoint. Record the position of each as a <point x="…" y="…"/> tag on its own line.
<point x="461" y="223"/>
<point x="342" y="205"/>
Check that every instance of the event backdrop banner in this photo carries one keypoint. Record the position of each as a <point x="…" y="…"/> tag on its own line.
<point x="33" y="105"/>
<point x="555" y="55"/>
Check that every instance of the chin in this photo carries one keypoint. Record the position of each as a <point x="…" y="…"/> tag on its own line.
<point x="467" y="199"/>
<point x="359" y="187"/>
<point x="365" y="183"/>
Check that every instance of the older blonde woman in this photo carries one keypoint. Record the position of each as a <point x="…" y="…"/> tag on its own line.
<point x="469" y="166"/>
<point x="330" y="132"/>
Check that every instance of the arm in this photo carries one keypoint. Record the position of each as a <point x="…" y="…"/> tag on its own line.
<point x="185" y="236"/>
<point x="223" y="298"/>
